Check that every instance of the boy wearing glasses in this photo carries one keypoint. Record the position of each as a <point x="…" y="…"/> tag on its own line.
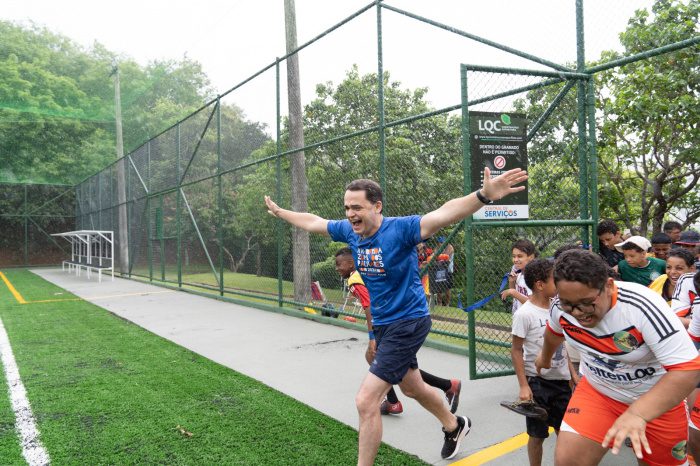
<point x="637" y="361"/>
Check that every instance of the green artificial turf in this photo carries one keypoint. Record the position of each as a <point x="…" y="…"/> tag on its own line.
<point x="105" y="391"/>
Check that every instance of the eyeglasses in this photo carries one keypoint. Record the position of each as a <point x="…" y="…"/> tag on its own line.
<point x="584" y="308"/>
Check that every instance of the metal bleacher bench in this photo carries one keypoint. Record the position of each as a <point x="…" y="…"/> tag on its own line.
<point x="91" y="250"/>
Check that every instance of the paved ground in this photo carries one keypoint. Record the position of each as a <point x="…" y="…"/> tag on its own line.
<point x="320" y="365"/>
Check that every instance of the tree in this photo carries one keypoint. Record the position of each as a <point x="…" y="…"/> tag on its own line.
<point x="646" y="124"/>
<point x="649" y="126"/>
<point x="302" y="273"/>
<point x="57" y="101"/>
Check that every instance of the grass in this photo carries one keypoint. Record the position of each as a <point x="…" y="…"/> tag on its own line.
<point x="105" y="391"/>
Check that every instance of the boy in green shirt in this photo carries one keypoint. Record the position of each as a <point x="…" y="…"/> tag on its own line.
<point x="637" y="267"/>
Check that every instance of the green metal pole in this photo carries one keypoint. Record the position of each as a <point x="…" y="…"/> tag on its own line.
<point x="380" y="107"/>
<point x="582" y="136"/>
<point x="26" y="228"/>
<point x="593" y="159"/>
<point x="468" y="232"/>
<point x="177" y="214"/>
<point x="220" y="202"/>
<point x="149" y="218"/>
<point x="278" y="193"/>
<point x="159" y="219"/>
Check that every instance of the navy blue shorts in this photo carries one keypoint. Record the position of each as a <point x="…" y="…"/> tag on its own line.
<point x="397" y="346"/>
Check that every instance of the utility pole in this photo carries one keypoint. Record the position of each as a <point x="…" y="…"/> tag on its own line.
<point x="300" y="238"/>
<point x="123" y="236"/>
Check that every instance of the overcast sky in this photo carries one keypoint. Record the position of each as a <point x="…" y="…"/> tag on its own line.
<point x="232" y="39"/>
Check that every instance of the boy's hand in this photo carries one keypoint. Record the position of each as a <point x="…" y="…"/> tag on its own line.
<point x="525" y="393"/>
<point x="506" y="293"/>
<point x="540" y="363"/>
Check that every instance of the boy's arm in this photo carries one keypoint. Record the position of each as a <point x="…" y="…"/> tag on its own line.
<point x="459" y="208"/>
<point x="572" y="370"/>
<point x="551" y="343"/>
<point x="514" y="294"/>
<point x="517" y="356"/>
<point x="304" y="220"/>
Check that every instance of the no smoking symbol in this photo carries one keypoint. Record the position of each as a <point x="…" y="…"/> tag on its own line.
<point x="499" y="162"/>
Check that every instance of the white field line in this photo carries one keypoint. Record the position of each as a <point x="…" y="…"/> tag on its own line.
<point x="32" y="448"/>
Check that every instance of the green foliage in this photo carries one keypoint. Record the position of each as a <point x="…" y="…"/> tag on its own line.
<point x="57" y="104"/>
<point x="649" y="123"/>
<point x="647" y="130"/>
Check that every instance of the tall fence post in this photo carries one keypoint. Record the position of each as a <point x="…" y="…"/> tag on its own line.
<point x="220" y="199"/>
<point x="593" y="161"/>
<point x="582" y="136"/>
<point x="380" y="108"/>
<point x="178" y="212"/>
<point x="468" y="231"/>
<point x="278" y="187"/>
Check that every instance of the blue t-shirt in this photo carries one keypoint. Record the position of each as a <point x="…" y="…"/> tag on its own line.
<point x="388" y="263"/>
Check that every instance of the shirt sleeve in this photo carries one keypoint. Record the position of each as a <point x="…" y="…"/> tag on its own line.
<point x="553" y="320"/>
<point x="410" y="227"/>
<point x="682" y="295"/>
<point x="665" y="335"/>
<point x="520" y="327"/>
<point x="338" y="230"/>
<point x="360" y="292"/>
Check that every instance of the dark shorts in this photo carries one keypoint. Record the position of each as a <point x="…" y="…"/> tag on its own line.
<point x="554" y="396"/>
<point x="397" y="346"/>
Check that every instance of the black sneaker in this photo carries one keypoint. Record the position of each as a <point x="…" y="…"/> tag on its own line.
<point x="454" y="438"/>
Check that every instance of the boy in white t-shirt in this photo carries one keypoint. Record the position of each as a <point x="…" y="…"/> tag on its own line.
<point x="523" y="252"/>
<point x="550" y="389"/>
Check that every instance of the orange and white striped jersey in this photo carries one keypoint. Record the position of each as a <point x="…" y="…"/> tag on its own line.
<point x="682" y="299"/>
<point x="632" y="347"/>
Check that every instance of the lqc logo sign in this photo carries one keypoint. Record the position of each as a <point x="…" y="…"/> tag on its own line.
<point x="493" y="126"/>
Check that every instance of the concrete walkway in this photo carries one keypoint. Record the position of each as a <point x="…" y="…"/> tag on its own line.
<point x="320" y="365"/>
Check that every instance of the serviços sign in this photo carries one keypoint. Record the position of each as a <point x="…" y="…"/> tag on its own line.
<point x="498" y="141"/>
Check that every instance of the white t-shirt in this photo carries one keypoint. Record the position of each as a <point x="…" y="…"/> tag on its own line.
<point x="632" y="347"/>
<point x="529" y="323"/>
<point x="521" y="288"/>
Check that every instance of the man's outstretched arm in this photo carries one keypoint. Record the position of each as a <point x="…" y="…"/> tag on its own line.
<point x="304" y="220"/>
<point x="459" y="208"/>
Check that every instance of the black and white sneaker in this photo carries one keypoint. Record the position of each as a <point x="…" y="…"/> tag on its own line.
<point x="454" y="438"/>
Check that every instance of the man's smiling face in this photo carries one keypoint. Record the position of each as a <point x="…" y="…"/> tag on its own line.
<point x="364" y="216"/>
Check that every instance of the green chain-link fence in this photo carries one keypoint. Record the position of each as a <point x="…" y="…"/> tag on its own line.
<point x="194" y="193"/>
<point x="29" y="213"/>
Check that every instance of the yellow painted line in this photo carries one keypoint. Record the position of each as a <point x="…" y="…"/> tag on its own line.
<point x="14" y="292"/>
<point x="495" y="451"/>
<point x="53" y="300"/>
<point x="91" y="298"/>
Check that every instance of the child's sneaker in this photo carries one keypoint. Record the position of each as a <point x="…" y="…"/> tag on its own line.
<point x="452" y="395"/>
<point x="454" y="438"/>
<point x="390" y="408"/>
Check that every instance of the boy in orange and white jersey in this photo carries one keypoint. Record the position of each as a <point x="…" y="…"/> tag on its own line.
<point x="638" y="365"/>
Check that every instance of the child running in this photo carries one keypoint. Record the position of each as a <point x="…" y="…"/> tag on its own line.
<point x="637" y="361"/>
<point x="550" y="389"/>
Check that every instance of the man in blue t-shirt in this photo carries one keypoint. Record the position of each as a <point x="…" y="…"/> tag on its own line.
<point x="385" y="255"/>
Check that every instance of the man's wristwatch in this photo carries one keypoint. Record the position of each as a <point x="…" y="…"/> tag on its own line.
<point x="483" y="199"/>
